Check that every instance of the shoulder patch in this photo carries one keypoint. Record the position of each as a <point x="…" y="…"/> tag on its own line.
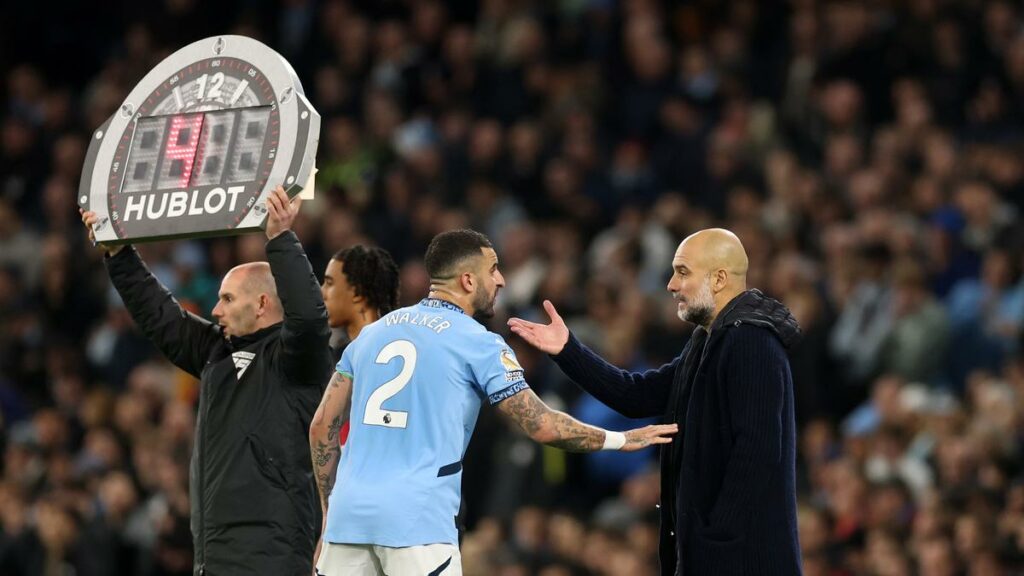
<point x="513" y="371"/>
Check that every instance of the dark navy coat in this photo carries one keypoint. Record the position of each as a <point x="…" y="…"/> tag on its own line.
<point x="728" y="501"/>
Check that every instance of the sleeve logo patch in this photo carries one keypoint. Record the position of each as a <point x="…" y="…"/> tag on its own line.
<point x="509" y="361"/>
<point x="513" y="371"/>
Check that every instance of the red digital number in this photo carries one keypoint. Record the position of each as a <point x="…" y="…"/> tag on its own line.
<point x="185" y="151"/>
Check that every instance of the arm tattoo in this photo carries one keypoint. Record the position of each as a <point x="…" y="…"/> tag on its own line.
<point x="526" y="410"/>
<point x="575" y="436"/>
<point x="325" y="462"/>
<point x="334" y="428"/>
<point x="549" y="426"/>
<point x="324" y="453"/>
<point x="337" y="379"/>
<point x="323" y="441"/>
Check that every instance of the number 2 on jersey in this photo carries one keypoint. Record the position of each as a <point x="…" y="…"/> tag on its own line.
<point x="374" y="413"/>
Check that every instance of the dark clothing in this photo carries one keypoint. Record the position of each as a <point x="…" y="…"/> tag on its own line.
<point x="729" y="476"/>
<point x="253" y="497"/>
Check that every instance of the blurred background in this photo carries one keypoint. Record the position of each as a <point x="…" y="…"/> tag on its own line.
<point x="867" y="153"/>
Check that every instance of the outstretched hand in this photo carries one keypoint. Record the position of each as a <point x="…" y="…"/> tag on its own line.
<point x="282" y="212"/>
<point x="550" y="338"/>
<point x="641" y="438"/>
<point x="89" y="218"/>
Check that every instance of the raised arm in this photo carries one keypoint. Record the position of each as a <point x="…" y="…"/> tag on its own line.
<point x="184" y="338"/>
<point x="560" y="430"/>
<point x="632" y="394"/>
<point x="305" y="355"/>
<point x="324" y="447"/>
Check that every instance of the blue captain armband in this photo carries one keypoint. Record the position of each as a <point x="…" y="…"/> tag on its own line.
<point x="507" y="392"/>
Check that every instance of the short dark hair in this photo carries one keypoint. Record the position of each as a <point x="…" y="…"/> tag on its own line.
<point x="448" y="249"/>
<point x="372" y="273"/>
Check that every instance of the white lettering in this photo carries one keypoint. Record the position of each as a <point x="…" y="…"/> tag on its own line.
<point x="430" y="321"/>
<point x="179" y="201"/>
<point x="221" y="197"/>
<point x="194" y="209"/>
<point x="234" y="191"/>
<point x="135" y="204"/>
<point x="149" y="207"/>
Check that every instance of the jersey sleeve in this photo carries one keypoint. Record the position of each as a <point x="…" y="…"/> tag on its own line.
<point x="497" y="372"/>
<point x="344" y="366"/>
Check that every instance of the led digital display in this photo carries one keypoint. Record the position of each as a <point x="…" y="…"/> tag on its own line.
<point x="198" y="149"/>
<point x="247" y="151"/>
<point x="145" y="154"/>
<point x="198" y="143"/>
<point x="179" y="153"/>
<point x="217" y="131"/>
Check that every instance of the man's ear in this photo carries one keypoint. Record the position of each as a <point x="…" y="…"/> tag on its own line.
<point x="468" y="282"/>
<point x="262" y="304"/>
<point x="719" y="280"/>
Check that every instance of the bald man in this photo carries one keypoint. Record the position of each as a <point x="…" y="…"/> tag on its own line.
<point x="261" y="368"/>
<point x="728" y="487"/>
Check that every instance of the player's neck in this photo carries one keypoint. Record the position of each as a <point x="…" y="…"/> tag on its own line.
<point x="441" y="293"/>
<point x="362" y="320"/>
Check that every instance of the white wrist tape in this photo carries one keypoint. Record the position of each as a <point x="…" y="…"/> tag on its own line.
<point x="613" y="440"/>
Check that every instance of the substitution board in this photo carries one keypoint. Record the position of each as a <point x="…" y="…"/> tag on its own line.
<point x="199" y="143"/>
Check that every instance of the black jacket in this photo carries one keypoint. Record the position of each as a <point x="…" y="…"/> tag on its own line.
<point x="254" y="503"/>
<point x="729" y="477"/>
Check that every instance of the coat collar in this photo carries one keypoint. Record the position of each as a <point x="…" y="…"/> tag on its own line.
<point x="754" y="308"/>
<point x="239" y="342"/>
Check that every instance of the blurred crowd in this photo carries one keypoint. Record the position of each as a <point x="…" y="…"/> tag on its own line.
<point x="868" y="154"/>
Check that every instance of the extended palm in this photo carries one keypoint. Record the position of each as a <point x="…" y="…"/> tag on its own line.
<point x="641" y="438"/>
<point x="550" y="338"/>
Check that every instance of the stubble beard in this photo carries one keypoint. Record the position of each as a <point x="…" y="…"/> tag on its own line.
<point x="701" y="309"/>
<point x="483" y="304"/>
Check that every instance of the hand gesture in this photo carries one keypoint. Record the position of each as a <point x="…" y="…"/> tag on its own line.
<point x="282" y="212"/>
<point x="550" y="338"/>
<point x="641" y="438"/>
<point x="90" y="219"/>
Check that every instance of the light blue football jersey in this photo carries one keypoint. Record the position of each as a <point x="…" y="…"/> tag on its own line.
<point x="420" y="375"/>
